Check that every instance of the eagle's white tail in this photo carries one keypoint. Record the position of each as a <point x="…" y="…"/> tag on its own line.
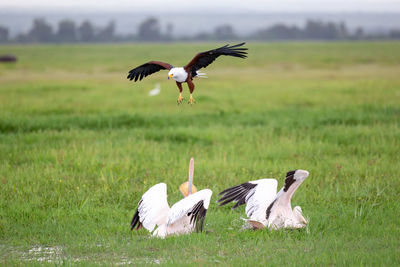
<point x="201" y="75"/>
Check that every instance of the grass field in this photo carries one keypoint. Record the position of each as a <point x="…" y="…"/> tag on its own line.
<point x="79" y="145"/>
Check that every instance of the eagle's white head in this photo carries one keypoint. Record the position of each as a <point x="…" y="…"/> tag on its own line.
<point x="178" y="74"/>
<point x="171" y="73"/>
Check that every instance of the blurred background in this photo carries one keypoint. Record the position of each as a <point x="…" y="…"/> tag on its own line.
<point x="46" y="21"/>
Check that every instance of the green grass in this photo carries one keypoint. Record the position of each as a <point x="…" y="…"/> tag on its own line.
<point x="79" y="144"/>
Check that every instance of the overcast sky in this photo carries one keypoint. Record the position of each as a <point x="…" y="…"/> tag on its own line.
<point x="215" y="6"/>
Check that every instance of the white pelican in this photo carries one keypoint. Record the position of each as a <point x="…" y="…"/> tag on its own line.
<point x="183" y="217"/>
<point x="265" y="207"/>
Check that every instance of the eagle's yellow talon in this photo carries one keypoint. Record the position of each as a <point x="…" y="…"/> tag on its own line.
<point x="180" y="99"/>
<point x="191" y="100"/>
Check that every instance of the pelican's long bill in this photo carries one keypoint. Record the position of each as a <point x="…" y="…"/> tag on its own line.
<point x="188" y="188"/>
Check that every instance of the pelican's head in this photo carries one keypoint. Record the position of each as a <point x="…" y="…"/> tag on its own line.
<point x="184" y="188"/>
<point x="300" y="175"/>
<point x="294" y="179"/>
<point x="172" y="73"/>
<point x="188" y="188"/>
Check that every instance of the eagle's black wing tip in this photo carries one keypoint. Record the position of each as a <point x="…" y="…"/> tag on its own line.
<point x="203" y="59"/>
<point x="237" y="45"/>
<point x="130" y="75"/>
<point x="133" y="75"/>
<point x="144" y="70"/>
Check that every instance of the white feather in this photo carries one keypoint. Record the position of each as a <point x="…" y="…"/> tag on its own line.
<point x="156" y="90"/>
<point x="153" y="209"/>
<point x="183" y="206"/>
<point x="201" y="74"/>
<point x="258" y="201"/>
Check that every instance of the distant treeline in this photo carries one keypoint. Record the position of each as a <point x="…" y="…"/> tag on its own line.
<point x="149" y="30"/>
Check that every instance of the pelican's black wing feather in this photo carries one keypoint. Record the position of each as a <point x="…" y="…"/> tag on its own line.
<point x="237" y="194"/>
<point x="135" y="220"/>
<point x="197" y="215"/>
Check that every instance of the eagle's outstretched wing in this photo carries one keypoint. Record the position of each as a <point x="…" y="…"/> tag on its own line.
<point x="148" y="68"/>
<point x="203" y="59"/>
<point x="152" y="208"/>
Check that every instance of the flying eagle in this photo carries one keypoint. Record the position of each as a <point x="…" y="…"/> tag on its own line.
<point x="190" y="71"/>
<point x="265" y="207"/>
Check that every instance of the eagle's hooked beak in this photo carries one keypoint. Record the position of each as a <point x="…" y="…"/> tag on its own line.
<point x="170" y="76"/>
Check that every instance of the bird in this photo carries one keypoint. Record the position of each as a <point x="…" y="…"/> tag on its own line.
<point x="156" y="90"/>
<point x="264" y="207"/>
<point x="190" y="70"/>
<point x="184" y="217"/>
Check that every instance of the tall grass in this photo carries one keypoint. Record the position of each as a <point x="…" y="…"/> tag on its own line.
<point x="79" y="145"/>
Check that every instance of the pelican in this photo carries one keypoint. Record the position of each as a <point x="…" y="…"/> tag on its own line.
<point x="185" y="216"/>
<point x="265" y="207"/>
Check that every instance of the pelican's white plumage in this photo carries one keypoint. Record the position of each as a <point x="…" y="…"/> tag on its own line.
<point x="258" y="200"/>
<point x="153" y="207"/>
<point x="186" y="205"/>
<point x="265" y="207"/>
<point x="183" y="217"/>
